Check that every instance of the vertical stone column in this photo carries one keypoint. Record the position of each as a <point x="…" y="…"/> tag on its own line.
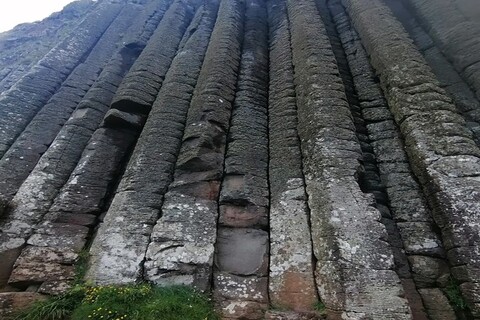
<point x="21" y="102"/>
<point x="354" y="273"/>
<point x="455" y="33"/>
<point x="441" y="150"/>
<point x="241" y="250"/>
<point x="291" y="282"/>
<point x="182" y="242"/>
<point x="418" y="251"/>
<point x="23" y="155"/>
<point x="118" y="250"/>
<point x="37" y="192"/>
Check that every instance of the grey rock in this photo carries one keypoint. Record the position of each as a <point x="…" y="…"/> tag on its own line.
<point x="429" y="123"/>
<point x="242" y="251"/>
<point x="60" y="61"/>
<point x="339" y="223"/>
<point x="119" y="119"/>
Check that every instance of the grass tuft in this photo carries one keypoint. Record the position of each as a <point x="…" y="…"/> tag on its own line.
<point x="133" y="302"/>
<point x="56" y="308"/>
<point x="454" y="294"/>
<point x="320" y="307"/>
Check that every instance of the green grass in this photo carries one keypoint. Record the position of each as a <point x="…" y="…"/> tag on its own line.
<point x="133" y="302"/>
<point x="55" y="308"/>
<point x="454" y="294"/>
<point x="320" y="307"/>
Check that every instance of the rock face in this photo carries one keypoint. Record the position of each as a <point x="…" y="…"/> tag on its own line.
<point x="281" y="155"/>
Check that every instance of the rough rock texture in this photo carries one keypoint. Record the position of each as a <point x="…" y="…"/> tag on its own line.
<point x="295" y="159"/>
<point x="441" y="149"/>
<point x="455" y="32"/>
<point x="20" y="103"/>
<point x="390" y="178"/>
<point x="183" y="238"/>
<point x="12" y="302"/>
<point x="291" y="279"/>
<point x="118" y="237"/>
<point x="241" y="261"/>
<point x="23" y="46"/>
<point x="340" y="223"/>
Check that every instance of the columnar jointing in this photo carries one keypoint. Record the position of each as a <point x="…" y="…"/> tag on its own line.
<point x="23" y="46"/>
<point x="118" y="251"/>
<point x="246" y="148"/>
<point x="23" y="155"/>
<point x="170" y="258"/>
<point x="455" y="32"/>
<point x="451" y="80"/>
<point x="355" y="275"/>
<point x="21" y="102"/>
<point x="87" y="192"/>
<point x="418" y="251"/>
<point x="369" y="178"/>
<point x="182" y="241"/>
<point x="36" y="194"/>
<point x="241" y="257"/>
<point x="441" y="150"/>
<point x="291" y="282"/>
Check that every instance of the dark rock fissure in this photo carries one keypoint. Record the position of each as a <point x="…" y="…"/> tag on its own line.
<point x="421" y="261"/>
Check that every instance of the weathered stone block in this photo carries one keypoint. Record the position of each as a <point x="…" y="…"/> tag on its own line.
<point x="11" y="302"/>
<point x="242" y="251"/>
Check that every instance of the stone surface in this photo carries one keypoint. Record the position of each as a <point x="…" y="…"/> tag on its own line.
<point x="120" y="119"/>
<point x="12" y="302"/>
<point x="242" y="251"/>
<point x="455" y="35"/>
<point x="340" y="223"/>
<point x="436" y="304"/>
<point x="47" y="123"/>
<point x="106" y="256"/>
<point x="22" y="101"/>
<point x="139" y="88"/>
<point x="291" y="280"/>
<point x="280" y="156"/>
<point x="281" y="315"/>
<point x="430" y="124"/>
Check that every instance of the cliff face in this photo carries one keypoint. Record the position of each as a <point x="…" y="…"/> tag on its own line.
<point x="274" y="153"/>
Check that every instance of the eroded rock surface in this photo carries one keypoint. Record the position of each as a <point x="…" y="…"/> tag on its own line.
<point x="294" y="159"/>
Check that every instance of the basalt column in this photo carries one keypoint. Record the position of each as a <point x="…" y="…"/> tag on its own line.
<point x="118" y="250"/>
<point x="441" y="150"/>
<point x="291" y="282"/>
<point x="87" y="192"/>
<point x="418" y="251"/>
<point x="23" y="155"/>
<point x="455" y="32"/>
<point x="25" y="45"/>
<point x="354" y="271"/>
<point x="182" y="242"/>
<point x="464" y="98"/>
<point x="291" y="159"/>
<point x="241" y="250"/>
<point x="37" y="192"/>
<point x="20" y="103"/>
